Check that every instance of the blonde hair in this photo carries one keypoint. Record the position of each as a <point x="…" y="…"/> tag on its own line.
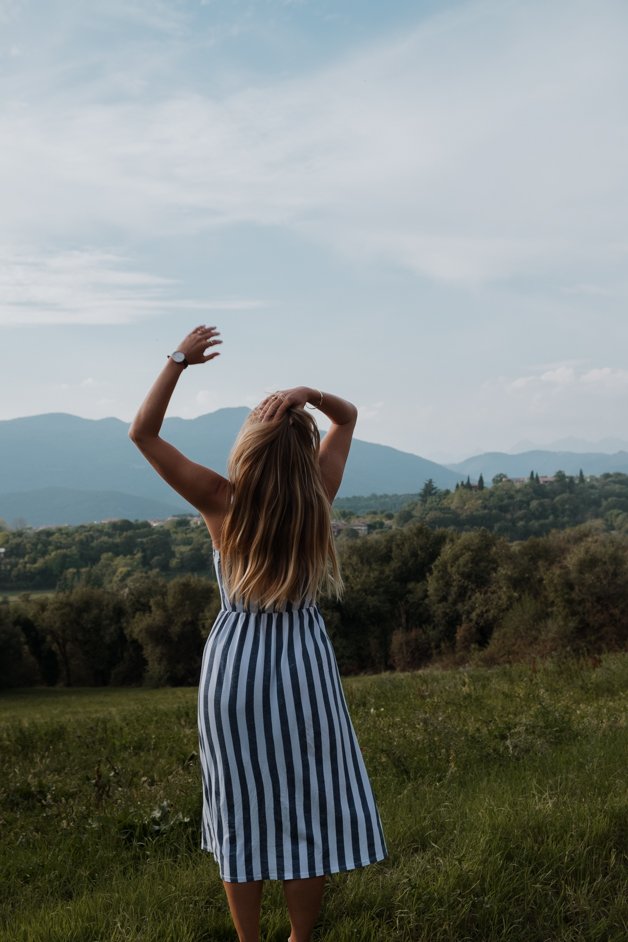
<point x="276" y="543"/>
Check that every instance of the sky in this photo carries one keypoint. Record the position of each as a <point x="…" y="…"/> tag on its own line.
<point x="419" y="206"/>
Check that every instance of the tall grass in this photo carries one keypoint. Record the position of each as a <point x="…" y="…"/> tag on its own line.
<point x="502" y="792"/>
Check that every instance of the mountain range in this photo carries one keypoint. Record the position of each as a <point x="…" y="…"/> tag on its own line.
<point x="541" y="462"/>
<point x="58" y="468"/>
<point x="608" y="445"/>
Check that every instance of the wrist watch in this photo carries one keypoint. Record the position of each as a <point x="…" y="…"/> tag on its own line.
<point x="179" y="357"/>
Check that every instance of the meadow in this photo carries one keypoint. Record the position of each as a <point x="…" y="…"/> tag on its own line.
<point x="502" y="793"/>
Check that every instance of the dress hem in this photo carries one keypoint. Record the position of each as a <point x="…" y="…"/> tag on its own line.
<point x="330" y="871"/>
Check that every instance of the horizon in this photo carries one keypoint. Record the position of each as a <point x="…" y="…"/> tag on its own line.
<point x="601" y="446"/>
<point x="419" y="206"/>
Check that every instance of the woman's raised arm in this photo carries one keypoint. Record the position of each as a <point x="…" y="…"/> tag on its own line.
<point x="200" y="486"/>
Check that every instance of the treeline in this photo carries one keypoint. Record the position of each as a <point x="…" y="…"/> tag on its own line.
<point x="417" y="595"/>
<point x="101" y="554"/>
<point x="413" y="596"/>
<point x="108" y="554"/>
<point x="518" y="510"/>
<point x="149" y="632"/>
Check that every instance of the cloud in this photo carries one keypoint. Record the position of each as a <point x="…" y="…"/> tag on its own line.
<point x="370" y="410"/>
<point x="89" y="287"/>
<point x="549" y="403"/>
<point x="486" y="144"/>
<point x="568" y="380"/>
<point x="606" y="379"/>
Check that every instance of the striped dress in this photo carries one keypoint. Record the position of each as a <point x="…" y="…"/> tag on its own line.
<point x="285" y="791"/>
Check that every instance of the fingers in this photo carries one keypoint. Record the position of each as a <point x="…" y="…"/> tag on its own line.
<point x="197" y="342"/>
<point x="284" y="405"/>
<point x="266" y="409"/>
<point x="273" y="407"/>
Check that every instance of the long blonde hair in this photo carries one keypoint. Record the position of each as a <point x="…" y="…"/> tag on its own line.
<point x="276" y="543"/>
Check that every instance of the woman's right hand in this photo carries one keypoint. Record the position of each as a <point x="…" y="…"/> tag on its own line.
<point x="274" y="406"/>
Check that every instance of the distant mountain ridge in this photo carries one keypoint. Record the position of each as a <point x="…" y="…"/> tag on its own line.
<point x="58" y="468"/>
<point x="52" y="506"/>
<point x="50" y="464"/>
<point x="607" y="446"/>
<point x="541" y="462"/>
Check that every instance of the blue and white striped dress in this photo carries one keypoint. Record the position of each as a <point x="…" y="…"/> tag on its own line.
<point x="285" y="791"/>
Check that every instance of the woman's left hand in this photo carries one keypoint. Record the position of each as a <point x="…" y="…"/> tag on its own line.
<point x="197" y="341"/>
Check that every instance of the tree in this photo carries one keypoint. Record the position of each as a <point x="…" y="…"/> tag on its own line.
<point x="172" y="631"/>
<point x="385" y="578"/>
<point x="481" y="482"/>
<point x="84" y="628"/>
<point x="463" y="592"/>
<point x="428" y="490"/>
<point x="589" y="593"/>
<point x="27" y="616"/>
<point x="17" y="667"/>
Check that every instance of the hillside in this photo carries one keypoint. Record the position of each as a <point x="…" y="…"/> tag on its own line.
<point x="47" y="457"/>
<point x="55" y="506"/>
<point x="541" y="462"/>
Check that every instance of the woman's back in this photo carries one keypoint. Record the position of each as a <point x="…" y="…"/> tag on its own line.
<point x="234" y="605"/>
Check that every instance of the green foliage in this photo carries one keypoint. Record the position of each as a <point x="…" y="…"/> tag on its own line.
<point x="460" y="577"/>
<point x="589" y="591"/>
<point x="428" y="491"/>
<point x="383" y="503"/>
<point x="84" y="628"/>
<point x="173" y="630"/>
<point x="101" y="555"/>
<point x="519" y="510"/>
<point x="385" y="589"/>
<point x="465" y="600"/>
<point x="416" y="595"/>
<point x="413" y="595"/>
<point x="17" y="667"/>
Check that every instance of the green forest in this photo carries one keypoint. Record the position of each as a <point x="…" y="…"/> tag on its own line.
<point x="480" y="575"/>
<point x="513" y="509"/>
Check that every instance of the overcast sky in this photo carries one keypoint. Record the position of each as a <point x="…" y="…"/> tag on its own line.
<point x="421" y="206"/>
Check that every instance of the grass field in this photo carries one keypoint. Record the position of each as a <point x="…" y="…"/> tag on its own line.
<point x="502" y="793"/>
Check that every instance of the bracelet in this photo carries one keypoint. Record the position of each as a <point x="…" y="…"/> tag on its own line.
<point x="319" y="405"/>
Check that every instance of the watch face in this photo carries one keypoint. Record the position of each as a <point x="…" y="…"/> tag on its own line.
<point x="178" y="356"/>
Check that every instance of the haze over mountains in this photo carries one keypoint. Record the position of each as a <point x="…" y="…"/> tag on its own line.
<point x="541" y="462"/>
<point x="58" y="468"/>
<point x="608" y="446"/>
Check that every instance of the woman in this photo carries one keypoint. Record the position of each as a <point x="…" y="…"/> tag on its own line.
<point x="285" y="792"/>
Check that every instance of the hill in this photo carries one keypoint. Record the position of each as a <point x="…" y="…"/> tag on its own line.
<point x="58" y="506"/>
<point x="541" y="462"/>
<point x="47" y="457"/>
